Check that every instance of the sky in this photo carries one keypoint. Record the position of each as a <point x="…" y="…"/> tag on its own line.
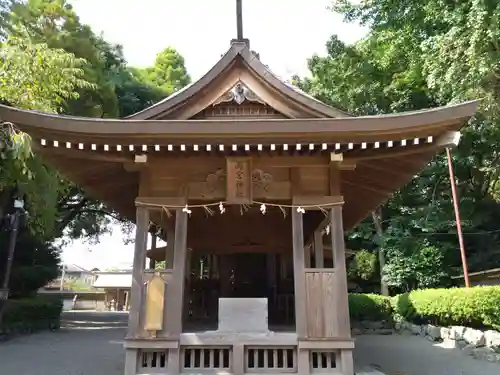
<point x="284" y="33"/>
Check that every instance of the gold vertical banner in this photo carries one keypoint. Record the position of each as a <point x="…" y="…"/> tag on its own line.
<point x="155" y="296"/>
<point x="238" y="180"/>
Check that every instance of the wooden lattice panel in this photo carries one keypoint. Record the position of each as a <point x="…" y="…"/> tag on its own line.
<point x="270" y="359"/>
<point x="153" y="361"/>
<point x="206" y="358"/>
<point x="323" y="360"/>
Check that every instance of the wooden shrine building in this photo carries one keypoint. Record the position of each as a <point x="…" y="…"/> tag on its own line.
<point x="252" y="183"/>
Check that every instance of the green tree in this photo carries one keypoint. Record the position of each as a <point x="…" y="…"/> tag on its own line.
<point x="5" y="6"/>
<point x="133" y="93"/>
<point x="70" y="70"/>
<point x="168" y="72"/>
<point x="33" y="76"/>
<point x="112" y="90"/>
<point x="54" y="22"/>
<point x="423" y="55"/>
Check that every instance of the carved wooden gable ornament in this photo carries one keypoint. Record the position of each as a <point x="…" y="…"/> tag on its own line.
<point x="239" y="93"/>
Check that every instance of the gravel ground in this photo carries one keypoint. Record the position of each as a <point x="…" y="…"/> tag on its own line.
<point x="92" y="344"/>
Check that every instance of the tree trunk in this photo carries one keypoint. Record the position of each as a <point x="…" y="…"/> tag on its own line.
<point x="377" y="221"/>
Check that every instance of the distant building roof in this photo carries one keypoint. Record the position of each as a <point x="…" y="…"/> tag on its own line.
<point x="113" y="280"/>
<point x="69" y="267"/>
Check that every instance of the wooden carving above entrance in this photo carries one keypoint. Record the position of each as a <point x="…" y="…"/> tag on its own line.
<point x="256" y="184"/>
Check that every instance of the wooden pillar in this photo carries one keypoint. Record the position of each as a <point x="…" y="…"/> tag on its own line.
<point x="175" y="289"/>
<point x="299" y="278"/>
<point x="307" y="256"/>
<point x="136" y="292"/>
<point x="169" y="250"/>
<point x="319" y="256"/>
<point x="187" y="277"/>
<point x="298" y="273"/>
<point x="225" y="274"/>
<point x="338" y="249"/>
<point x="343" y="320"/>
<point x="152" y="262"/>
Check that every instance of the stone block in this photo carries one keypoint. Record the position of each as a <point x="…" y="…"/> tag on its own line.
<point x="457" y="332"/>
<point x="492" y="339"/>
<point x="243" y="315"/>
<point x="416" y="329"/>
<point x="433" y="332"/>
<point x="445" y="333"/>
<point x="450" y="344"/>
<point x="474" y="337"/>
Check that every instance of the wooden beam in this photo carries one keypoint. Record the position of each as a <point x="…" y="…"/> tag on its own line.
<point x="313" y="202"/>
<point x="392" y="152"/>
<point x="259" y="161"/>
<point x="84" y="155"/>
<point x="157" y="203"/>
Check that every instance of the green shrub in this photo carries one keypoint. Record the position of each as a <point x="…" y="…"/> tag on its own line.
<point x="477" y="307"/>
<point x="371" y="307"/>
<point x="30" y="315"/>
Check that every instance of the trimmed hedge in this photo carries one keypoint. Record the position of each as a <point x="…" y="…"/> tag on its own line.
<point x="477" y="307"/>
<point x="369" y="307"/>
<point x="30" y="315"/>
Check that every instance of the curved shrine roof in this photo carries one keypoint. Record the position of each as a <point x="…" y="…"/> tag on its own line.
<point x="238" y="50"/>
<point x="101" y="154"/>
<point x="349" y="128"/>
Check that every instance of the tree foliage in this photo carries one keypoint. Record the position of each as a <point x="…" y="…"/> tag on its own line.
<point x="168" y="72"/>
<point x="51" y="62"/>
<point x="416" y="56"/>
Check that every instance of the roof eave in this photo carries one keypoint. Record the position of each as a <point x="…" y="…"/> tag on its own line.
<point x="407" y="122"/>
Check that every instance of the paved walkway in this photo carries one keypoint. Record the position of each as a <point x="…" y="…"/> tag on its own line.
<point x="88" y="344"/>
<point x="414" y="355"/>
<point x="92" y="344"/>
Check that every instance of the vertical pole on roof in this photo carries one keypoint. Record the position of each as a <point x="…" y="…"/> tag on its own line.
<point x="457" y="219"/>
<point x="239" y="20"/>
